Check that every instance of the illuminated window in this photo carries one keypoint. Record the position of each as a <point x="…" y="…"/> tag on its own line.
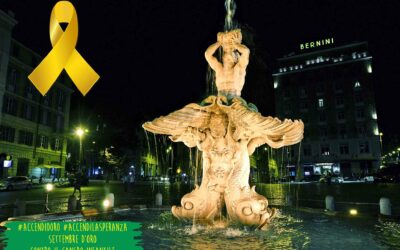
<point x="320" y="103"/>
<point x="43" y="141"/>
<point x="325" y="149"/>
<point x="275" y="85"/>
<point x="357" y="84"/>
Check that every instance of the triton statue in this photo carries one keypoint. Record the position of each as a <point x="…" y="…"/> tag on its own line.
<point x="227" y="131"/>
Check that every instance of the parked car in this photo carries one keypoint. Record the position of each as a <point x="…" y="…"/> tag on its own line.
<point x="368" y="178"/>
<point x="16" y="182"/>
<point x="388" y="174"/>
<point x="332" y="178"/>
<point x="337" y="179"/>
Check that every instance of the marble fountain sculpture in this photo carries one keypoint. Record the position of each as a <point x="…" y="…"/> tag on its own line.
<point x="227" y="131"/>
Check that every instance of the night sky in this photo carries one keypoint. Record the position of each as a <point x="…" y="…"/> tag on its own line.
<point x="149" y="53"/>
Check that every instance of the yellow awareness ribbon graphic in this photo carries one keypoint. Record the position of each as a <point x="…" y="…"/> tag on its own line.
<point x="63" y="55"/>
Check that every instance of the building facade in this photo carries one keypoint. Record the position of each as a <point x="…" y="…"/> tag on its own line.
<point x="331" y="91"/>
<point x="32" y="126"/>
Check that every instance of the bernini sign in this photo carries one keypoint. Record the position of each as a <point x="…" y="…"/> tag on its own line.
<point x="315" y="44"/>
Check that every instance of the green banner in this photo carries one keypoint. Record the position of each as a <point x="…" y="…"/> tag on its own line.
<point x="82" y="235"/>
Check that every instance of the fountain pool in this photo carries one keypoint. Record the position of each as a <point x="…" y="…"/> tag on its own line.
<point x="292" y="229"/>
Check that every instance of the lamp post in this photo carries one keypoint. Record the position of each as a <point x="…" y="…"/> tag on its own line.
<point x="380" y="140"/>
<point x="398" y="154"/>
<point x="80" y="132"/>
<point x="49" y="187"/>
<point x="170" y="151"/>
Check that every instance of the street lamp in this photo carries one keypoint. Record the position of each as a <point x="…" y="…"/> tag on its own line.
<point x="49" y="187"/>
<point x="169" y="150"/>
<point x="398" y="155"/>
<point x="380" y="139"/>
<point x="80" y="132"/>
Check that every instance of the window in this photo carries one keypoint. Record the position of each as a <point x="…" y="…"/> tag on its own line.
<point x="325" y="149"/>
<point x="28" y="112"/>
<point x="361" y="130"/>
<point x="303" y="105"/>
<point x="25" y="138"/>
<point x="322" y="117"/>
<point x="343" y="132"/>
<point x="323" y="132"/>
<point x="9" y="105"/>
<point x="43" y="141"/>
<point x="40" y="160"/>
<point x="340" y="115"/>
<point x="287" y="108"/>
<point x="12" y="80"/>
<point x="7" y="134"/>
<point x="45" y="118"/>
<point x="47" y="99"/>
<point x="303" y="92"/>
<point x="56" y="144"/>
<point x="60" y="99"/>
<point x="358" y="98"/>
<point x="29" y="91"/>
<point x="344" y="148"/>
<point x="307" y="150"/>
<point x="321" y="103"/>
<point x="320" y="88"/>
<point x="357" y="84"/>
<point x="338" y="86"/>
<point x="360" y="113"/>
<point x="59" y="123"/>
<point x="339" y="101"/>
<point x="364" y="147"/>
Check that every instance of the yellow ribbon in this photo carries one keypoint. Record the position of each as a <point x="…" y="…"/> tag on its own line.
<point x="63" y="55"/>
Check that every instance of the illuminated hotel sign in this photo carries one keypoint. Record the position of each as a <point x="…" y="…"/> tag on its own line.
<point x="316" y="44"/>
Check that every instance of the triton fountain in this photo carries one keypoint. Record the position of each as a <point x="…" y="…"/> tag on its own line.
<point x="227" y="131"/>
